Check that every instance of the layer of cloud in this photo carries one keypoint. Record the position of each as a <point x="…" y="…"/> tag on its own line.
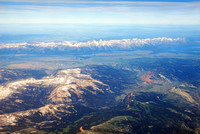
<point x="122" y="12"/>
<point x="102" y="1"/>
<point x="123" y="44"/>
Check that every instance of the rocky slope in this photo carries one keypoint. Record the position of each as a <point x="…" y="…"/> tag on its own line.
<point x="100" y="99"/>
<point x="153" y="115"/>
<point x="48" y="98"/>
<point x="47" y="117"/>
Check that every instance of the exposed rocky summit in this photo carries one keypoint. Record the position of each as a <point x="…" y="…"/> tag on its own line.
<point x="99" y="99"/>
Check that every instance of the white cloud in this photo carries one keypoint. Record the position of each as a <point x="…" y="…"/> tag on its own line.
<point x="105" y="2"/>
<point x="116" y="12"/>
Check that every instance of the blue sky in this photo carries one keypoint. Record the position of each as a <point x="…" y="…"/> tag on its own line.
<point x="100" y="12"/>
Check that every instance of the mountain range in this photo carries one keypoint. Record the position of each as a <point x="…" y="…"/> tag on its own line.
<point x="131" y="97"/>
<point x="90" y="46"/>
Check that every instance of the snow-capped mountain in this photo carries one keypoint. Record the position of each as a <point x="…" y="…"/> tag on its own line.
<point x="106" y="44"/>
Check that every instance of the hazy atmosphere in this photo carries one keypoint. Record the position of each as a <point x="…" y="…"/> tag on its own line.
<point x="100" y="66"/>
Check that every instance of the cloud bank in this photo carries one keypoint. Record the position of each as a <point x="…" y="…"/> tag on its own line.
<point x="99" y="12"/>
<point x="109" y="44"/>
